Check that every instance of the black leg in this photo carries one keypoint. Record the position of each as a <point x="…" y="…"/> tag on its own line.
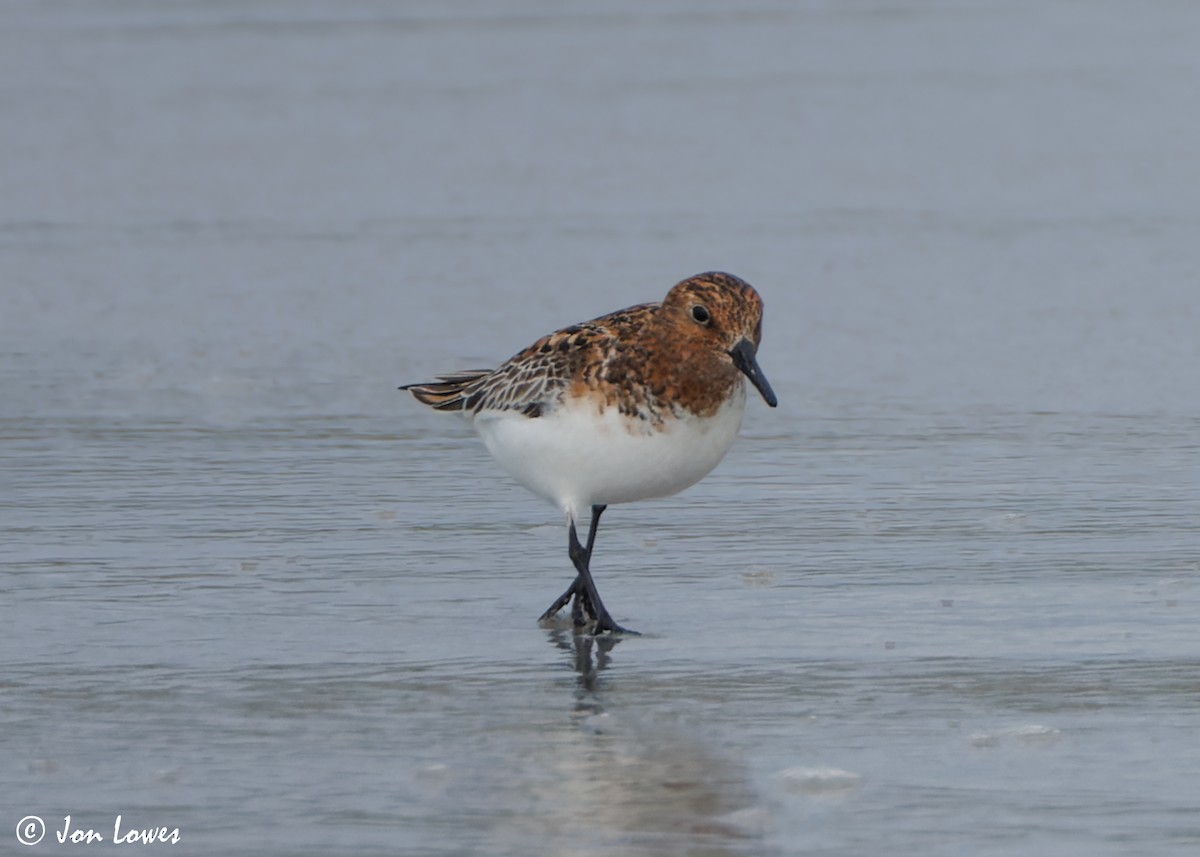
<point x="576" y="588"/>
<point x="582" y="609"/>
<point x="579" y="556"/>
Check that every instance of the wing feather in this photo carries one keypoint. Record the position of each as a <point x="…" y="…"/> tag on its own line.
<point x="534" y="381"/>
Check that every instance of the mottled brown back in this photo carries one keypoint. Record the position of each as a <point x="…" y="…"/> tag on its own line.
<point x="647" y="360"/>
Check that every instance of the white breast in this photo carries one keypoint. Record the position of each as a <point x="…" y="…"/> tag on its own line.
<point x="577" y="457"/>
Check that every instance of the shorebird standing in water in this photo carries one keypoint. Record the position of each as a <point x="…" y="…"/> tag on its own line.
<point x="639" y="403"/>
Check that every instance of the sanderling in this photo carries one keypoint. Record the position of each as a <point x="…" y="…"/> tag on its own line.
<point x="639" y="403"/>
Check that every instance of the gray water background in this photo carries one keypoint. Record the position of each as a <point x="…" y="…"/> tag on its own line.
<point x="942" y="601"/>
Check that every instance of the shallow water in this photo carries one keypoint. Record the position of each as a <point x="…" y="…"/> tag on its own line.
<point x="941" y="601"/>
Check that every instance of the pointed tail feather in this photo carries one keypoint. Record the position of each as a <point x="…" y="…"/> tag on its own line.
<point x="446" y="392"/>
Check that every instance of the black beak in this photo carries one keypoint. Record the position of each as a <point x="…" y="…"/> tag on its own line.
<point x="743" y="358"/>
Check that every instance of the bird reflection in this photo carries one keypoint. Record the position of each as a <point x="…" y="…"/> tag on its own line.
<point x="622" y="782"/>
<point x="589" y="653"/>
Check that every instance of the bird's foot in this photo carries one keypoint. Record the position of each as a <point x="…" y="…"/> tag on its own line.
<point x="606" y="625"/>
<point x="584" y="620"/>
<point x="552" y="612"/>
<point x="575" y="589"/>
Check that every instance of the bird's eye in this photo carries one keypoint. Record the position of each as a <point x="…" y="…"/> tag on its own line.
<point x="700" y="314"/>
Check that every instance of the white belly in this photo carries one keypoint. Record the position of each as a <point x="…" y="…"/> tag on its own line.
<point x="576" y="457"/>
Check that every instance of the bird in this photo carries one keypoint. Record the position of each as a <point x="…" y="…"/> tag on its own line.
<point x="636" y="404"/>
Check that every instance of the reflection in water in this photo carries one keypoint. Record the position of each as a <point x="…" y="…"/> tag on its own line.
<point x="627" y="781"/>
<point x="580" y="647"/>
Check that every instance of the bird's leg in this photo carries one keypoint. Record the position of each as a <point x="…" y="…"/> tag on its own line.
<point x="582" y="611"/>
<point x="576" y="588"/>
<point x="580" y="556"/>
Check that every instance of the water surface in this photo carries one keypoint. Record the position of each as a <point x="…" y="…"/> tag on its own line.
<point x="941" y="601"/>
